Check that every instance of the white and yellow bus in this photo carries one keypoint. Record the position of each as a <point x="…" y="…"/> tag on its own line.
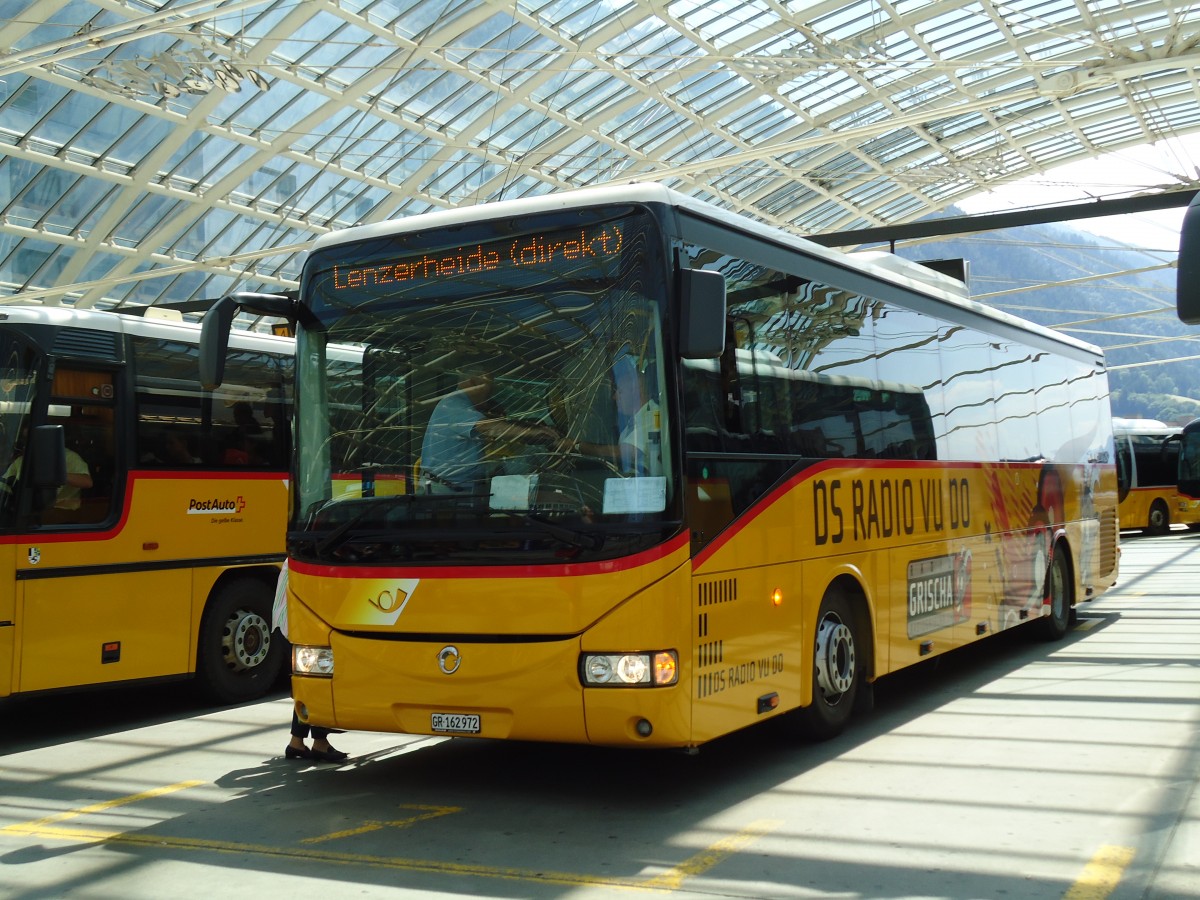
<point x="141" y="520"/>
<point x="840" y="466"/>
<point x="1148" y="452"/>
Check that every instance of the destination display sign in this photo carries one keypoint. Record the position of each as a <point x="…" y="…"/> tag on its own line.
<point x="588" y="246"/>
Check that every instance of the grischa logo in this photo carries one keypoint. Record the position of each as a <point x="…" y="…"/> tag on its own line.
<point x="207" y="506"/>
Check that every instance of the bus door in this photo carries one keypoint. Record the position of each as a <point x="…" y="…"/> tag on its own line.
<point x="80" y="605"/>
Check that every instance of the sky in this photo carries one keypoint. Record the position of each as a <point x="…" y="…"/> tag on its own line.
<point x="1118" y="174"/>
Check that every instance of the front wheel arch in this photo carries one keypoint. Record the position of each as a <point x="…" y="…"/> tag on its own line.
<point x="238" y="657"/>
<point x="841" y="651"/>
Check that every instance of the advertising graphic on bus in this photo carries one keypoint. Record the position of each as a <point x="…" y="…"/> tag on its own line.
<point x="142" y="520"/>
<point x="618" y="467"/>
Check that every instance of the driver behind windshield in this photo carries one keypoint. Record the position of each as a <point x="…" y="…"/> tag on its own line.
<point x="454" y="449"/>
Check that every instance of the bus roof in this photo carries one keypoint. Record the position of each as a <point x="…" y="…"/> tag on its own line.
<point x="1142" y="426"/>
<point x="884" y="266"/>
<point x="126" y="323"/>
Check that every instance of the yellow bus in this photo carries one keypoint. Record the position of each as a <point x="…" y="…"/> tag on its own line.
<point x="653" y="473"/>
<point x="141" y="520"/>
<point x="1148" y="451"/>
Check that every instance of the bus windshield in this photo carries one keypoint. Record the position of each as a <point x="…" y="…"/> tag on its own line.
<point x="500" y="398"/>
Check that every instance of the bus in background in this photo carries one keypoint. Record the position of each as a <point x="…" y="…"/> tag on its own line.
<point x="141" y="519"/>
<point x="700" y="474"/>
<point x="1148" y="451"/>
<point x="1189" y="460"/>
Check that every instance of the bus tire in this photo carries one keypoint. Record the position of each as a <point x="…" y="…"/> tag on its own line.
<point x="1059" y="590"/>
<point x="837" y="669"/>
<point x="1160" y="518"/>
<point x="237" y="659"/>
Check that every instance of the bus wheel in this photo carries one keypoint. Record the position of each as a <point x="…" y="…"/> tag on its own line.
<point x="1058" y="589"/>
<point x="837" y="675"/>
<point x="1160" y="518"/>
<point x="237" y="660"/>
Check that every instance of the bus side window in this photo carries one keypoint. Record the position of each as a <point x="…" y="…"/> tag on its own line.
<point x="704" y="422"/>
<point x="93" y="441"/>
<point x="84" y="402"/>
<point x="251" y="417"/>
<point x="765" y="416"/>
<point x="810" y="441"/>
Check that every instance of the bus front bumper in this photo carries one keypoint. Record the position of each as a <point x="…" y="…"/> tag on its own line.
<point x="508" y="690"/>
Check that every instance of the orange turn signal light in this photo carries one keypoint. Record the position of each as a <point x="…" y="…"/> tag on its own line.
<point x="666" y="668"/>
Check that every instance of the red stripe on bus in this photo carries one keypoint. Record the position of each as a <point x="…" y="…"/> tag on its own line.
<point x="550" y="570"/>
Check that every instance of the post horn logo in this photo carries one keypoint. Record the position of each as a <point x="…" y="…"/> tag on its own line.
<point x="388" y="602"/>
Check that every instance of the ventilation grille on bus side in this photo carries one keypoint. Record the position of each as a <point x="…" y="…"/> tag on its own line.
<point x="723" y="590"/>
<point x="78" y="343"/>
<point x="1109" y="531"/>
<point x="710" y="644"/>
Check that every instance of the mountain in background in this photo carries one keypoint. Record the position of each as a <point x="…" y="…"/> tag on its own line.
<point x="1046" y="273"/>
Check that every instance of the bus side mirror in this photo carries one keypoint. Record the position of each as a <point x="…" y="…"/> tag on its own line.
<point x="1187" y="278"/>
<point x="214" y="341"/>
<point x="701" y="314"/>
<point x="47" y="456"/>
<point x="218" y="321"/>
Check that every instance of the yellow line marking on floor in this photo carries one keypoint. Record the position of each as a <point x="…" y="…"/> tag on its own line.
<point x="433" y="867"/>
<point x="429" y="812"/>
<point x="1101" y="876"/>
<point x="1083" y="624"/>
<point x="43" y="826"/>
<point x="706" y="859"/>
<point x="163" y="842"/>
<point x="668" y="881"/>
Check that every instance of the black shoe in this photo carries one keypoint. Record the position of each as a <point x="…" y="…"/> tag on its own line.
<point x="329" y="755"/>
<point x="297" y="752"/>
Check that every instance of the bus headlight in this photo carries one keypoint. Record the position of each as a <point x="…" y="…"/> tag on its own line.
<point x="651" y="669"/>
<point x="312" y="660"/>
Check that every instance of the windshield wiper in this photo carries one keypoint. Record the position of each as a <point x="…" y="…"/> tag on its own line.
<point x="366" y="506"/>
<point x="378" y="505"/>
<point x="573" y="536"/>
<point x="338" y="536"/>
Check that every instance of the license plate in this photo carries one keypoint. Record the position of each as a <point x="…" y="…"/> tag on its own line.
<point x="455" y="723"/>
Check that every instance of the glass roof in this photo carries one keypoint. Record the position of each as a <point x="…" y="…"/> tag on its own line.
<point x="161" y="152"/>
